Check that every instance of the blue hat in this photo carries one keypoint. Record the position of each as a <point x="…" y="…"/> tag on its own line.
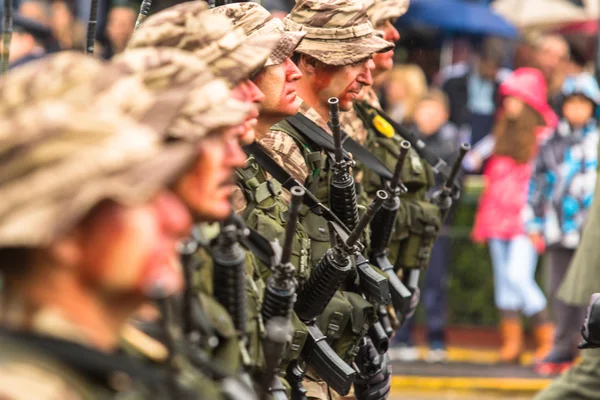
<point x="583" y="84"/>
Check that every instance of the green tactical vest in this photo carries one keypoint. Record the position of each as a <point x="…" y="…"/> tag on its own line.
<point x="230" y="352"/>
<point x="347" y="317"/>
<point x="419" y="221"/>
<point x="267" y="213"/>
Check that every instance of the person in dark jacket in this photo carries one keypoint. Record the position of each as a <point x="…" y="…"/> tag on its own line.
<point x="473" y="95"/>
<point x="443" y="138"/>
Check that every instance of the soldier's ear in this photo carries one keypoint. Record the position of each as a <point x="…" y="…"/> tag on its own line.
<point x="308" y="65"/>
<point x="66" y="251"/>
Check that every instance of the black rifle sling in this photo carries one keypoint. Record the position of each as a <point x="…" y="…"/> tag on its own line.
<point x="259" y="246"/>
<point x="288" y="182"/>
<point x="324" y="140"/>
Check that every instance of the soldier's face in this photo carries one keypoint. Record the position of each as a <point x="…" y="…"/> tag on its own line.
<point x="278" y="83"/>
<point x="248" y="92"/>
<point x="344" y="82"/>
<point x="208" y="186"/>
<point x="385" y="61"/>
<point x="131" y="249"/>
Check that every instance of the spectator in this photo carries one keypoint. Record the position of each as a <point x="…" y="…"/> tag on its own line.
<point x="552" y="57"/>
<point x="442" y="137"/>
<point x="407" y="84"/>
<point x="562" y="189"/>
<point x="119" y="28"/>
<point x="473" y="95"/>
<point x="499" y="218"/>
<point x="30" y="41"/>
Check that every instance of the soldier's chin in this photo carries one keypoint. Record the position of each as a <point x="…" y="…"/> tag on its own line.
<point x="161" y="280"/>
<point x="217" y="210"/>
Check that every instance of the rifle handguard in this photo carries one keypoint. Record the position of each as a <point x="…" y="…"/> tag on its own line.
<point x="229" y="277"/>
<point x="342" y="191"/>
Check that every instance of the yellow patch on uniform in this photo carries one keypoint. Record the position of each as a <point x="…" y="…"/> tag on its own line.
<point x="383" y="127"/>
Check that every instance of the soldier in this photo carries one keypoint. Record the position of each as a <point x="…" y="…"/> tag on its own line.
<point x="188" y="106"/>
<point x="72" y="201"/>
<point x="227" y="51"/>
<point x="419" y="221"/>
<point x="335" y="61"/>
<point x="232" y="55"/>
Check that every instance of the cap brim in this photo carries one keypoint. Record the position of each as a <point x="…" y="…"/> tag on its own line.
<point x="250" y="56"/>
<point x="285" y="47"/>
<point x="344" y="52"/>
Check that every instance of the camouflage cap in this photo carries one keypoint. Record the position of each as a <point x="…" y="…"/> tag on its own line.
<point x="85" y="83"/>
<point x="381" y="10"/>
<point x="57" y="163"/>
<point x="208" y="103"/>
<point x="256" y="21"/>
<point x="338" y="32"/>
<point x="227" y="51"/>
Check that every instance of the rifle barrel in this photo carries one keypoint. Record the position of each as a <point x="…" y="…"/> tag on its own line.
<point x="464" y="148"/>
<point x="375" y="205"/>
<point x="290" y="228"/>
<point x="334" y="116"/>
<point x="404" y="148"/>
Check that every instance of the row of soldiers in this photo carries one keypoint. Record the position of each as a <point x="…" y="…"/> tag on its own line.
<point x="222" y="211"/>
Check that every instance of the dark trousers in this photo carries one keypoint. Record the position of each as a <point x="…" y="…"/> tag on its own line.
<point x="433" y="297"/>
<point x="568" y="318"/>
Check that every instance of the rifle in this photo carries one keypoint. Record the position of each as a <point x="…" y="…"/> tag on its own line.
<point x="443" y="197"/>
<point x="91" y="28"/>
<point x="333" y="268"/>
<point x="230" y="273"/>
<point x="342" y="191"/>
<point x="143" y="14"/>
<point x="342" y="197"/>
<point x="279" y="299"/>
<point x="382" y="228"/>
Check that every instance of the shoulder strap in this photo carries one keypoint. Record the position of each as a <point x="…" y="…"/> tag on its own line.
<point x="324" y="140"/>
<point x="288" y="182"/>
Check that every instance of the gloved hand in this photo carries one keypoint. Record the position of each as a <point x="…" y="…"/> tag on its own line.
<point x="374" y="380"/>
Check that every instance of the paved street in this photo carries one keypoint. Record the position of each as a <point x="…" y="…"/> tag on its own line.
<point x="453" y="396"/>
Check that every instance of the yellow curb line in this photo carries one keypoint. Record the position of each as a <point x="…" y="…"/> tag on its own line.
<point x="400" y="383"/>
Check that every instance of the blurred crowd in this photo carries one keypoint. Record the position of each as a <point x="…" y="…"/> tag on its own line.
<point x="528" y="108"/>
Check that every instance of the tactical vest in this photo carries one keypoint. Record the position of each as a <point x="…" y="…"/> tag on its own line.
<point x="230" y="352"/>
<point x="419" y="221"/>
<point x="267" y="213"/>
<point x="348" y="316"/>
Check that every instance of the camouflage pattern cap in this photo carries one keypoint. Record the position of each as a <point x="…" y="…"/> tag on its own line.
<point x="381" y="10"/>
<point x="227" y="51"/>
<point x="85" y="83"/>
<point x="57" y="163"/>
<point x="208" y="103"/>
<point x="256" y="21"/>
<point x="338" y="32"/>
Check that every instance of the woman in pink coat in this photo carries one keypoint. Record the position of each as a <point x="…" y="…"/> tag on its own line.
<point x="523" y="122"/>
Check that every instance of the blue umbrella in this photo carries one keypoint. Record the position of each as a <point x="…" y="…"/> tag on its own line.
<point x="455" y="16"/>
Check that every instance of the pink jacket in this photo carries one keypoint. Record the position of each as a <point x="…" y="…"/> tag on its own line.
<point x="502" y="204"/>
